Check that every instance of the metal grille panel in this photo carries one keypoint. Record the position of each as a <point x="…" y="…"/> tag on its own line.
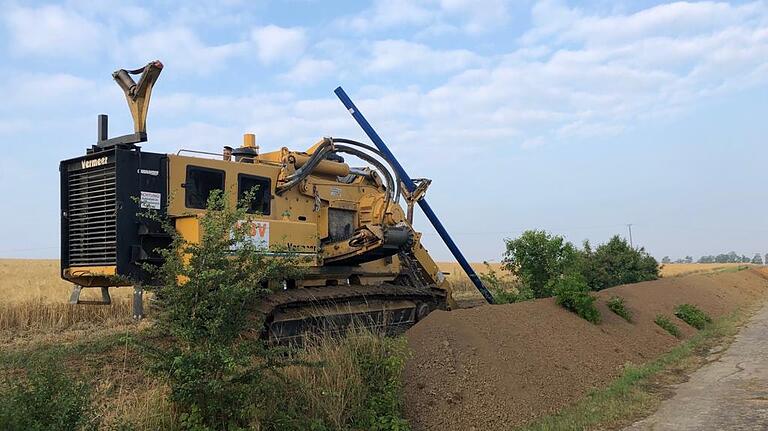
<point x="92" y="217"/>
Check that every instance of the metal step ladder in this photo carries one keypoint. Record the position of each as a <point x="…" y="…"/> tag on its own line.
<point x="106" y="299"/>
<point x="74" y="298"/>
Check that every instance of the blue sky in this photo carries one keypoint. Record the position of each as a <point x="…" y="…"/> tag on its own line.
<point x="574" y="117"/>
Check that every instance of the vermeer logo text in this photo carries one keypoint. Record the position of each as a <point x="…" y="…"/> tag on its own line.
<point x="94" y="162"/>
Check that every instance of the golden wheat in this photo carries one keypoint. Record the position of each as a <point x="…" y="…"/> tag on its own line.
<point x="35" y="300"/>
<point x="38" y="315"/>
<point x="677" y="269"/>
<point x="25" y="279"/>
<point x="461" y="285"/>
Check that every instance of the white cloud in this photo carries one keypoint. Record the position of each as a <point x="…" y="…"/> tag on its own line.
<point x="389" y="13"/>
<point x="275" y="43"/>
<point x="308" y="70"/>
<point x="200" y="136"/>
<point x="180" y="48"/>
<point x="390" y="55"/>
<point x="434" y="16"/>
<point x="541" y="92"/>
<point x="679" y="19"/>
<point x="48" y="92"/>
<point x="52" y="31"/>
<point x="566" y="79"/>
<point x="478" y="18"/>
<point x="578" y="76"/>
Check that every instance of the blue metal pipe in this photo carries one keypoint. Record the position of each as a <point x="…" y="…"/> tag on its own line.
<point x="408" y="182"/>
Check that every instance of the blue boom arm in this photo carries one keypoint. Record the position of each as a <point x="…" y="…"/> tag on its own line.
<point x="408" y="183"/>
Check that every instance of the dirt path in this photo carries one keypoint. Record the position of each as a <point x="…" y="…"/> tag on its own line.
<point x="730" y="393"/>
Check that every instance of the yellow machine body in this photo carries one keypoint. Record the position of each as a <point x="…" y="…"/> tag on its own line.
<point x="301" y="219"/>
<point x="362" y="256"/>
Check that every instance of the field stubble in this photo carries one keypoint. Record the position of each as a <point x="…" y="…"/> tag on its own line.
<point x="35" y="297"/>
<point x="35" y="301"/>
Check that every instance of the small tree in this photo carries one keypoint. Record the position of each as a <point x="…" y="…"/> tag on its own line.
<point x="208" y="296"/>
<point x="757" y="259"/>
<point x="615" y="263"/>
<point x="538" y="259"/>
<point x="666" y="259"/>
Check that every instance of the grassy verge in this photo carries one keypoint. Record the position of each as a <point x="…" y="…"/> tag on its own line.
<point x="734" y="268"/>
<point x="336" y="384"/>
<point x="86" y="349"/>
<point x="640" y="389"/>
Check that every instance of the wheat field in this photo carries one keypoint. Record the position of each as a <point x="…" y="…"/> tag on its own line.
<point x="677" y="269"/>
<point x="34" y="297"/>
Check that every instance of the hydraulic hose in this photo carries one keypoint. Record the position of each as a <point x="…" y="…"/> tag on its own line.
<point x="318" y="156"/>
<point x="374" y="150"/>
<point x="328" y="147"/>
<point x="377" y="164"/>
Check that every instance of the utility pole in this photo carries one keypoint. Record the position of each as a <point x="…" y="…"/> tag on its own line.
<point x="629" y="226"/>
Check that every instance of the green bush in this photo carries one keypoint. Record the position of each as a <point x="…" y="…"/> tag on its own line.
<point x="538" y="259"/>
<point x="617" y="305"/>
<point x="667" y="325"/>
<point x="222" y="377"/>
<point x="46" y="400"/>
<point x="208" y="296"/>
<point x="572" y="293"/>
<point x="503" y="290"/>
<point x="615" y="263"/>
<point x="509" y="296"/>
<point x="692" y="315"/>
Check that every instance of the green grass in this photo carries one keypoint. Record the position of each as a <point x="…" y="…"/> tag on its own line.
<point x="692" y="315"/>
<point x="352" y="383"/>
<point x="667" y="325"/>
<point x="632" y="394"/>
<point x="618" y="306"/>
<point x="19" y="357"/>
<point x="733" y="269"/>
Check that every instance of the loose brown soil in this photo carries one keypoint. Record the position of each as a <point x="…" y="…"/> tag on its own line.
<point x="497" y="367"/>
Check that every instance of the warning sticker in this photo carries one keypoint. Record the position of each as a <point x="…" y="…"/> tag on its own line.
<point x="150" y="200"/>
<point x="257" y="233"/>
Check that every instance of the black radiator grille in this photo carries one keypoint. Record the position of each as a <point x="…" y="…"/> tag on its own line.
<point x="92" y="217"/>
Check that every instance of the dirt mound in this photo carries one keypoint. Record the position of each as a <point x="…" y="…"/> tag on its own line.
<point x="496" y="367"/>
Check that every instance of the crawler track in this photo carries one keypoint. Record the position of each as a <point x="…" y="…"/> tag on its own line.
<point x="292" y="314"/>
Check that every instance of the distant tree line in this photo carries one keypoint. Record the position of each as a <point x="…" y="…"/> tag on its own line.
<point x="730" y="257"/>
